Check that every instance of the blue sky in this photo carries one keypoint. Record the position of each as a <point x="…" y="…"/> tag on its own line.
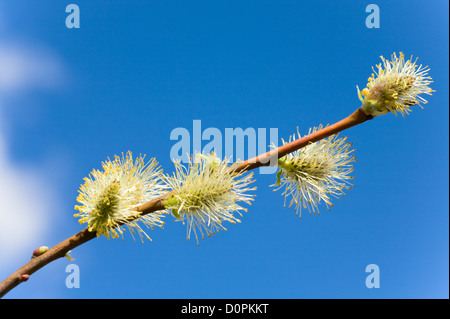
<point x="134" y="71"/>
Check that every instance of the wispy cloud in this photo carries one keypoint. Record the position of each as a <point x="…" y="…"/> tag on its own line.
<point x="23" y="68"/>
<point x="26" y="198"/>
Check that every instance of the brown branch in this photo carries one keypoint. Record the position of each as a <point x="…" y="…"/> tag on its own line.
<point x="353" y="119"/>
<point x="36" y="263"/>
<point x="157" y="204"/>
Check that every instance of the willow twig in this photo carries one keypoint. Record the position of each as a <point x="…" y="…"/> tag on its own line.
<point x="61" y="249"/>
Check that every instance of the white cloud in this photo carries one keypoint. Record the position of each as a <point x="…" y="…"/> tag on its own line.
<point x="23" y="67"/>
<point x="24" y="207"/>
<point x="26" y="198"/>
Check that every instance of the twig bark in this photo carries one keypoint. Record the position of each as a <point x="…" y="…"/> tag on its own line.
<point x="61" y="249"/>
<point x="36" y="263"/>
<point x="353" y="119"/>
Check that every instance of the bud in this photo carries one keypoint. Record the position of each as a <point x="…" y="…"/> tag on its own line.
<point x="108" y="197"/>
<point x="207" y="193"/>
<point x="316" y="172"/>
<point x="395" y="87"/>
<point x="39" y="251"/>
